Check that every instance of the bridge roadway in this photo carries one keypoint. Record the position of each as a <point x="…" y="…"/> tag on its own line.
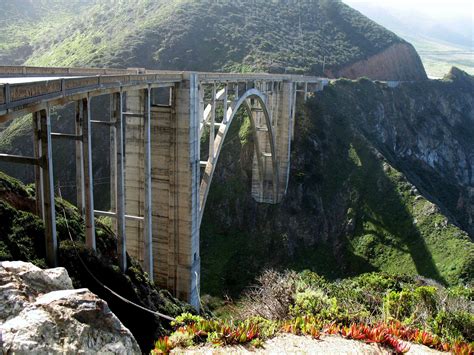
<point x="167" y="129"/>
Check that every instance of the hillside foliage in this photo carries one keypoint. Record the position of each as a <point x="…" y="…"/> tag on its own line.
<point x="22" y="238"/>
<point x="247" y="35"/>
<point x="392" y="311"/>
<point x="351" y="206"/>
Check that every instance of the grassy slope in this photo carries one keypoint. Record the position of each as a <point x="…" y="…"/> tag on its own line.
<point x="181" y="34"/>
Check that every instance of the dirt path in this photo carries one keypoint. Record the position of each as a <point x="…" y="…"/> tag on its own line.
<point x="293" y="344"/>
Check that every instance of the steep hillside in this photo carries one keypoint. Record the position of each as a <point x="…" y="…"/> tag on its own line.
<point x="426" y="131"/>
<point x="205" y="35"/>
<point x="22" y="238"/>
<point x="375" y="171"/>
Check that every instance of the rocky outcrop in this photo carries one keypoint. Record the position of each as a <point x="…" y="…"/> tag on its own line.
<point x="40" y="312"/>
<point x="426" y="130"/>
<point x="399" y="62"/>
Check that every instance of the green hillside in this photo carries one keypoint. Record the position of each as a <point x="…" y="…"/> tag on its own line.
<point x="190" y="35"/>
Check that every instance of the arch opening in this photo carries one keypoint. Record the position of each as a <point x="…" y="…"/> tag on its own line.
<point x="253" y="101"/>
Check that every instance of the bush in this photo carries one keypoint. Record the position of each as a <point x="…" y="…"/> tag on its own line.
<point x="272" y="297"/>
<point x="313" y="302"/>
<point x="369" y="298"/>
<point x="454" y="325"/>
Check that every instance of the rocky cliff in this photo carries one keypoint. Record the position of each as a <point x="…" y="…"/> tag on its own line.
<point x="380" y="180"/>
<point x="426" y="130"/>
<point x="398" y="62"/>
<point x="40" y="312"/>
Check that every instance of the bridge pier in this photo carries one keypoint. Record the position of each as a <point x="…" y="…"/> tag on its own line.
<point x="184" y="191"/>
<point x="174" y="188"/>
<point x="284" y="132"/>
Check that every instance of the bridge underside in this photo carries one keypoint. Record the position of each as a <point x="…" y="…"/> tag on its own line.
<point x="160" y="172"/>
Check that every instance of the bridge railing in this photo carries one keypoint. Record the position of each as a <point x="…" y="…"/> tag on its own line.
<point x="16" y="96"/>
<point x="15" y="71"/>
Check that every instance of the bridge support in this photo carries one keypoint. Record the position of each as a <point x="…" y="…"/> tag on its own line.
<point x="158" y="190"/>
<point x="43" y="122"/>
<point x="284" y="132"/>
<point x="174" y="187"/>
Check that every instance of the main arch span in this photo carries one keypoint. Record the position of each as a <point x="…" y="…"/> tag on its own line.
<point x="161" y="172"/>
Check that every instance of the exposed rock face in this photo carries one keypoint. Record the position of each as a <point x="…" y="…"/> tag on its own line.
<point x="398" y="62"/>
<point x="41" y="312"/>
<point x="426" y="130"/>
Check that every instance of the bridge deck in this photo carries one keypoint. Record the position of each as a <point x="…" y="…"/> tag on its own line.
<point x="26" y="89"/>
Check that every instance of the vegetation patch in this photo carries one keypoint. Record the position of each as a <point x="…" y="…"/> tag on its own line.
<point x="22" y="238"/>
<point x="389" y="310"/>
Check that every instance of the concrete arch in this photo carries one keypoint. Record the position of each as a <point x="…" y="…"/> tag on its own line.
<point x="249" y="98"/>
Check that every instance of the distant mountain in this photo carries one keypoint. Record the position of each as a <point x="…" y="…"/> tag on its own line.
<point x="274" y="36"/>
<point x="441" y="42"/>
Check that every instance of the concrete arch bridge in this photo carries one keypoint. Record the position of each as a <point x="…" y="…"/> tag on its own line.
<point x="160" y="172"/>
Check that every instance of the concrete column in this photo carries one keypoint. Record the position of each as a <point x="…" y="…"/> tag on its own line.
<point x="88" y="177"/>
<point x="283" y="131"/>
<point x="138" y="177"/>
<point x="133" y="119"/>
<point x="175" y="176"/>
<point x="38" y="171"/>
<point x="80" y="189"/>
<point x="118" y="157"/>
<point x="47" y="182"/>
<point x="147" y="217"/>
<point x="163" y="241"/>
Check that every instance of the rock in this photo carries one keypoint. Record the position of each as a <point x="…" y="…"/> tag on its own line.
<point x="399" y="62"/>
<point x="40" y="312"/>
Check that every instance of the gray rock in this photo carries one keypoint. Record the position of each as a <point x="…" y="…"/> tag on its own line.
<point x="41" y="313"/>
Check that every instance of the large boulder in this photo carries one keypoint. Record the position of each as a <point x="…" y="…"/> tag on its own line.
<point x="40" y="312"/>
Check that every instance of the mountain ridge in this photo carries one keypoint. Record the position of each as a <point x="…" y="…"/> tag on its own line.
<point x="180" y="35"/>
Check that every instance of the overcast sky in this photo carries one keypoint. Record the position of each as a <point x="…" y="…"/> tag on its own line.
<point x="434" y="8"/>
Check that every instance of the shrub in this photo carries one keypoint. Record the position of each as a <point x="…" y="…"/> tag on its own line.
<point x="454" y="325"/>
<point x="181" y="339"/>
<point x="313" y="302"/>
<point x="272" y="297"/>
